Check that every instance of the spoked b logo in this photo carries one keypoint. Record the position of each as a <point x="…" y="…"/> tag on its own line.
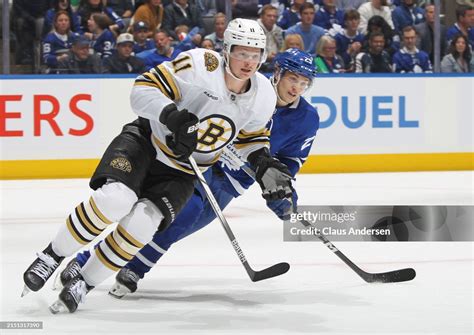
<point x="215" y="131"/>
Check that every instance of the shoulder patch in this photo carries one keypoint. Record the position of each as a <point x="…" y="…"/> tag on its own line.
<point x="210" y="61"/>
<point x="122" y="164"/>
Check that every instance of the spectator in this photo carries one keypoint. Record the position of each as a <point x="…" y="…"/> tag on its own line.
<point x="57" y="43"/>
<point x="376" y="59"/>
<point x="79" y="60"/>
<point x="409" y="59"/>
<point x="459" y="59"/>
<point x="274" y="34"/>
<point x="291" y="16"/>
<point x="207" y="7"/>
<point x="349" y="4"/>
<point x="425" y="34"/>
<point x="378" y="24"/>
<point x="465" y="2"/>
<point x="464" y="25"/>
<point x="163" y="51"/>
<point x="280" y="5"/>
<point x="122" y="60"/>
<point x="217" y="36"/>
<point x="124" y="9"/>
<point x="326" y="60"/>
<point x="186" y="38"/>
<point x="408" y="14"/>
<point x="207" y="44"/>
<point x="245" y="9"/>
<point x="328" y="15"/>
<point x="89" y="7"/>
<point x="349" y="41"/>
<point x="28" y="17"/>
<point x="308" y="31"/>
<point x="103" y="40"/>
<point x="181" y="31"/>
<point x="293" y="41"/>
<point x="372" y="8"/>
<point x="181" y="12"/>
<point x="140" y="33"/>
<point x="63" y="5"/>
<point x="151" y="12"/>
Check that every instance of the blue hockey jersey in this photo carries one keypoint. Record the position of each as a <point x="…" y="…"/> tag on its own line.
<point x="152" y="58"/>
<point x="454" y="30"/>
<point x="325" y="19"/>
<point x="104" y="44"/>
<point x="342" y="43"/>
<point x="404" y="16"/>
<point x="405" y="62"/>
<point x="288" y="19"/>
<point x="148" y="45"/>
<point x="293" y="130"/>
<point x="54" y="45"/>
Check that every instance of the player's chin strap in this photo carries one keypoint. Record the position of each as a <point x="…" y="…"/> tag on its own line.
<point x="275" y="79"/>
<point x="384" y="277"/>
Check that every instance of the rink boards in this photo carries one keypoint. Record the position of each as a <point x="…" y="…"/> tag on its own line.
<point x="58" y="127"/>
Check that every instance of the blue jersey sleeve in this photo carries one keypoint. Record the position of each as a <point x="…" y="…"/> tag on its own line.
<point x="425" y="62"/>
<point x="295" y="153"/>
<point x="49" y="58"/>
<point x="76" y="24"/>
<point x="108" y="44"/>
<point x="398" y="65"/>
<point x="117" y="19"/>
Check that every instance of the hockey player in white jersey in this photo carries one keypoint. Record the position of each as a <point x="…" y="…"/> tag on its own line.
<point x="194" y="105"/>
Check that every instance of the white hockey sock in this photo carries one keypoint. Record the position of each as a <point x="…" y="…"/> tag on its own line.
<point x="119" y="247"/>
<point x="108" y="204"/>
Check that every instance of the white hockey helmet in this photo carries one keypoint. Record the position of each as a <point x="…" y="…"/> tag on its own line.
<point x="247" y="33"/>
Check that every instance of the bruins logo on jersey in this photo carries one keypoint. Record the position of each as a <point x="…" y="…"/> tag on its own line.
<point x="215" y="131"/>
<point x="122" y="164"/>
<point x="210" y="61"/>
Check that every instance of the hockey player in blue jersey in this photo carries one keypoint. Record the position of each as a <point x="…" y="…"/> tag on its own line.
<point x="293" y="129"/>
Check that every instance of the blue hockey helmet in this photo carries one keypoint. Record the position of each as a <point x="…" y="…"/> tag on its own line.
<point x="296" y="61"/>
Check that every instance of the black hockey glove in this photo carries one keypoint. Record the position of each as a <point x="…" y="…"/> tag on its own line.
<point x="272" y="175"/>
<point x="184" y="126"/>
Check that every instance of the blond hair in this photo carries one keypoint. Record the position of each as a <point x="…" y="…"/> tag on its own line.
<point x="296" y="37"/>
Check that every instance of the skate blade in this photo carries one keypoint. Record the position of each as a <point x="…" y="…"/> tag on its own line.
<point x="119" y="291"/>
<point x="26" y="290"/>
<point x="58" y="307"/>
<point x="57" y="284"/>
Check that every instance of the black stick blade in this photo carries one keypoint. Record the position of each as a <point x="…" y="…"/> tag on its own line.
<point x="272" y="271"/>
<point x="391" y="277"/>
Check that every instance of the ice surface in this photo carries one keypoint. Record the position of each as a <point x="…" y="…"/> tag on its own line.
<point x="200" y="286"/>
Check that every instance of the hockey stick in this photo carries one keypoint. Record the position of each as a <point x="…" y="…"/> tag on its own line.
<point x="383" y="277"/>
<point x="272" y="271"/>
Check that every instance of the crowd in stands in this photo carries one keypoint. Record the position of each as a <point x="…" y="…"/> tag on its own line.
<point x="126" y="36"/>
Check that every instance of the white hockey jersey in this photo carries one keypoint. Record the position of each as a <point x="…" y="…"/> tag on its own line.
<point x="195" y="81"/>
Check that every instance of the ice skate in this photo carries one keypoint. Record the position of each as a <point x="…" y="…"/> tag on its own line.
<point x="71" y="271"/>
<point x="41" y="270"/>
<point x="73" y="293"/>
<point x="125" y="282"/>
